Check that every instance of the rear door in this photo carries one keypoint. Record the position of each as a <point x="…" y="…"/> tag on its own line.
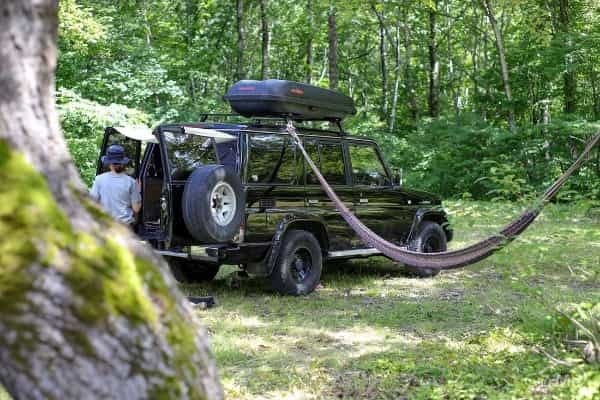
<point x="329" y="156"/>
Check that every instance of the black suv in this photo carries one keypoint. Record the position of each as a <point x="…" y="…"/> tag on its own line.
<point x="218" y="193"/>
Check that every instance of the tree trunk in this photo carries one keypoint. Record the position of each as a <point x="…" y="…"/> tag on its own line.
<point x="333" y="60"/>
<point x="264" y="71"/>
<point x="408" y="75"/>
<point x="191" y="12"/>
<point x="309" y="42"/>
<point x="434" y="66"/>
<point x="241" y="45"/>
<point x="451" y="73"/>
<point x="504" y="68"/>
<point x="570" y="83"/>
<point x="382" y="63"/>
<point x="86" y="311"/>
<point x="595" y="94"/>
<point x="397" y="68"/>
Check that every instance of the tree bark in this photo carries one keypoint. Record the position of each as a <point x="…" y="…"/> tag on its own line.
<point x="413" y="106"/>
<point x="570" y="82"/>
<point x="434" y="65"/>
<point x="309" y="43"/>
<point x="382" y="63"/>
<point x="86" y="311"/>
<point x="397" y="69"/>
<point x="266" y="34"/>
<point x="595" y="94"/>
<point x="503" y="66"/>
<point x="240" y="72"/>
<point x="333" y="59"/>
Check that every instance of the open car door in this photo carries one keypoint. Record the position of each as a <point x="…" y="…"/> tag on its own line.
<point x="133" y="139"/>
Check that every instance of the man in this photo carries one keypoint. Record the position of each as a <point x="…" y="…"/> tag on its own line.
<point x="116" y="191"/>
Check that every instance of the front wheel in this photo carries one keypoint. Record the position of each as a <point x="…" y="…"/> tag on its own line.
<point x="430" y="238"/>
<point x="298" y="267"/>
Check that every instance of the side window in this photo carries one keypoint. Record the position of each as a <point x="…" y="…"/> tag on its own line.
<point x="273" y="159"/>
<point x="311" y="147"/>
<point x="332" y="163"/>
<point x="188" y="152"/>
<point x="367" y="168"/>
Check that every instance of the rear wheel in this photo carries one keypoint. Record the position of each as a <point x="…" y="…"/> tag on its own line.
<point x="430" y="238"/>
<point x="298" y="267"/>
<point x="192" y="271"/>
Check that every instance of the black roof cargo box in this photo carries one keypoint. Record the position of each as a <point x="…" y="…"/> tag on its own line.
<point x="277" y="98"/>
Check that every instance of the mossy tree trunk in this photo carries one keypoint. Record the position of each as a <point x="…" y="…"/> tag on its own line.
<point x="86" y="311"/>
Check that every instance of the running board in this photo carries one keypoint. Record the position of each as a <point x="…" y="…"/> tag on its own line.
<point x="353" y="253"/>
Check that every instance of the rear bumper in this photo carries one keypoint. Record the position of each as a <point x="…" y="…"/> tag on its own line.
<point x="221" y="253"/>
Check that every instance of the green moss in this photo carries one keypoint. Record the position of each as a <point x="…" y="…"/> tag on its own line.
<point x="105" y="277"/>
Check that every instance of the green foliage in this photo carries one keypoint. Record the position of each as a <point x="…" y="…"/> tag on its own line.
<point x="83" y="122"/>
<point x="173" y="60"/>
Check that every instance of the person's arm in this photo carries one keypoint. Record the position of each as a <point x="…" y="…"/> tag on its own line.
<point x="135" y="198"/>
<point x="95" y="190"/>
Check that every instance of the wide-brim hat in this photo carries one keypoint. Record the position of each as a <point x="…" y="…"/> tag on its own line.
<point x="115" y="154"/>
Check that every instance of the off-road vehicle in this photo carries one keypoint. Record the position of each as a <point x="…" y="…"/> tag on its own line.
<point x="241" y="193"/>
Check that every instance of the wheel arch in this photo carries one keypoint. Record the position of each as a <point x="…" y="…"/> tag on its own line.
<point x="434" y="215"/>
<point x="307" y="223"/>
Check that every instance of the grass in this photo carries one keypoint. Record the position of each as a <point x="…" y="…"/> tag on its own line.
<point x="370" y="333"/>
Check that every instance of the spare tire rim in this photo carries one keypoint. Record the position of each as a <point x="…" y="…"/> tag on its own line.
<point x="222" y="203"/>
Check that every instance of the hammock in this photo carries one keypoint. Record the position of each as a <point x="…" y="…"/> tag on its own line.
<point x="447" y="259"/>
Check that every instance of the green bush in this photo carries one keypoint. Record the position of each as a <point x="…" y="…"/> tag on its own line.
<point x="83" y="122"/>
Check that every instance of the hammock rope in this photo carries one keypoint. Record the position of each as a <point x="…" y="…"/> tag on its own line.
<point x="447" y="259"/>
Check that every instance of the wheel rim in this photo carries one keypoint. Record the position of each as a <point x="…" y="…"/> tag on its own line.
<point x="301" y="265"/>
<point x="222" y="203"/>
<point x="431" y="245"/>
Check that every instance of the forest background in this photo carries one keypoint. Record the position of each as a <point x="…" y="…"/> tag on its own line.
<point x="483" y="99"/>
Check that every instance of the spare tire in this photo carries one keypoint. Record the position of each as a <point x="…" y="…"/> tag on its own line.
<point x="213" y="204"/>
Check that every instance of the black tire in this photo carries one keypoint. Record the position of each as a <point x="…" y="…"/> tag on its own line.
<point x="204" y="201"/>
<point x="297" y="270"/>
<point x="191" y="271"/>
<point x="430" y="238"/>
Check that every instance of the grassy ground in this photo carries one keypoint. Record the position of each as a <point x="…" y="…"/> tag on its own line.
<point x="371" y="333"/>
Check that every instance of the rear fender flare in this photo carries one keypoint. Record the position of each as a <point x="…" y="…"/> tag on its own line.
<point x="291" y="222"/>
<point x="429" y="214"/>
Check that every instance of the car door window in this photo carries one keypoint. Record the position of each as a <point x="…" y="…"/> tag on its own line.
<point x="312" y="148"/>
<point x="367" y="168"/>
<point x="132" y="151"/>
<point x="187" y="152"/>
<point x="332" y="163"/>
<point x="273" y="160"/>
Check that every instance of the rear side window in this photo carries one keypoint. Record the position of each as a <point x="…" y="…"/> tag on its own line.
<point x="188" y="152"/>
<point x="367" y="168"/>
<point x="332" y="163"/>
<point x="273" y="160"/>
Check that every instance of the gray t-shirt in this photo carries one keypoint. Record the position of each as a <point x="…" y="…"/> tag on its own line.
<point x="116" y="193"/>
